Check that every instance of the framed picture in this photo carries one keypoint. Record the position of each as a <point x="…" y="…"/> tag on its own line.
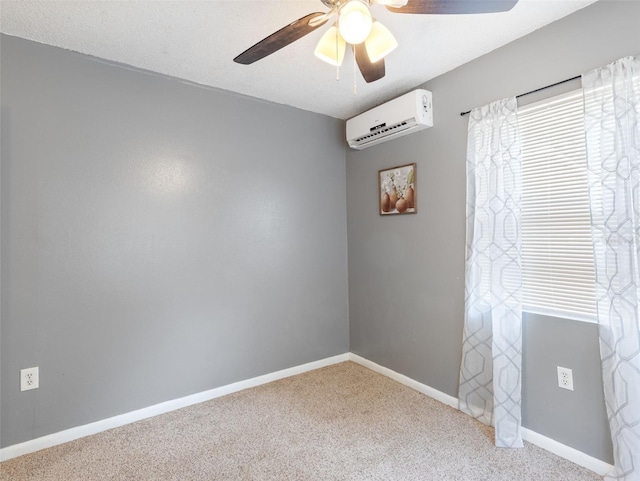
<point x="397" y="192"/>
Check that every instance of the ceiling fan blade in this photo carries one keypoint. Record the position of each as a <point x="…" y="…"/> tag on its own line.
<point x="447" y="7"/>
<point x="370" y="71"/>
<point x="281" y="38"/>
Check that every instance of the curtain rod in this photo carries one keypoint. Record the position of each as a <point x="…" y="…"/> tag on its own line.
<point x="537" y="90"/>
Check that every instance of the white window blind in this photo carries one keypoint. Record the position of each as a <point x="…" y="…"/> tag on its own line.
<point x="558" y="274"/>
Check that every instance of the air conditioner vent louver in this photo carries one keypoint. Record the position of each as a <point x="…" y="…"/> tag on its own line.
<point x="406" y="114"/>
<point x="384" y="131"/>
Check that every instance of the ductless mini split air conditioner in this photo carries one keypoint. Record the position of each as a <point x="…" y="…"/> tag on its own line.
<point x="398" y="117"/>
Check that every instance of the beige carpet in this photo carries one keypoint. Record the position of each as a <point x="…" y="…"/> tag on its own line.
<point x="343" y="422"/>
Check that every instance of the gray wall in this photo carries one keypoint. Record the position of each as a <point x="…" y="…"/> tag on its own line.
<point x="406" y="273"/>
<point x="158" y="238"/>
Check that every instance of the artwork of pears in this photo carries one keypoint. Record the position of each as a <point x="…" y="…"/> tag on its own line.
<point x="397" y="190"/>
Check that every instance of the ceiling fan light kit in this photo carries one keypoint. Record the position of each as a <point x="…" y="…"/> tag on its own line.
<point x="370" y="40"/>
<point x="354" y="22"/>
<point x="355" y="26"/>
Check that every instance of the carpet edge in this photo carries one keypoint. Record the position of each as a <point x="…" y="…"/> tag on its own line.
<point x="71" y="434"/>
<point x="567" y="452"/>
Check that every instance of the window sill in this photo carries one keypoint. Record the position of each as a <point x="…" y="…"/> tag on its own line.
<point x="559" y="314"/>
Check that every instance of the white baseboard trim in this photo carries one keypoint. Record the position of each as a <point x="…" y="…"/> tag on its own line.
<point x="407" y="381"/>
<point x="578" y="457"/>
<point x="116" y="421"/>
<point x="562" y="450"/>
<point x="551" y="445"/>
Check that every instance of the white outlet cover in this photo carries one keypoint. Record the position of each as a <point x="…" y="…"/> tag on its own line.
<point x="29" y="379"/>
<point x="565" y="378"/>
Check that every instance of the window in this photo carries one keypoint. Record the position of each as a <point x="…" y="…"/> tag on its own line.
<point x="558" y="274"/>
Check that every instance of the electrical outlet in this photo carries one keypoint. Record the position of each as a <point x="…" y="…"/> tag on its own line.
<point x="565" y="378"/>
<point x="29" y="379"/>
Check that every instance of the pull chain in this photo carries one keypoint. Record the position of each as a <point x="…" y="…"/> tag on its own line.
<point x="337" y="53"/>
<point x="355" y="71"/>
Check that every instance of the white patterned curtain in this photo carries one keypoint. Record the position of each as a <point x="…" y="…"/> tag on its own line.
<point x="612" y="124"/>
<point x="490" y="373"/>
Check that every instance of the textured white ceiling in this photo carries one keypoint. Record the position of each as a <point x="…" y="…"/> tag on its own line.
<point x="197" y="41"/>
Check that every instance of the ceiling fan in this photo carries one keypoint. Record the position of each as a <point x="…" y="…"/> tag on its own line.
<point x="371" y="41"/>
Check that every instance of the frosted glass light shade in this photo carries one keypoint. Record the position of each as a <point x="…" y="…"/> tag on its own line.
<point x="380" y="42"/>
<point x="331" y="47"/>
<point x="355" y="22"/>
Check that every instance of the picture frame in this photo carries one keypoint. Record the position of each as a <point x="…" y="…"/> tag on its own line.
<point x="397" y="191"/>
